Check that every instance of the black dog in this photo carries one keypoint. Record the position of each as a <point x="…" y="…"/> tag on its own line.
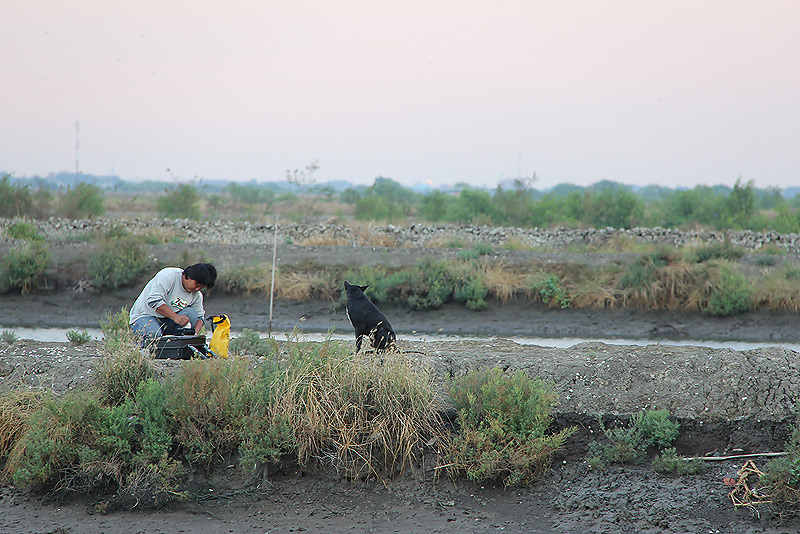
<point x="368" y="320"/>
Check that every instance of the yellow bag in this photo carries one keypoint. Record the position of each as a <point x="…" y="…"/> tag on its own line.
<point x="221" y="334"/>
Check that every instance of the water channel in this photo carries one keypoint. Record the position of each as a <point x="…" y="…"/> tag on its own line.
<point x="60" y="334"/>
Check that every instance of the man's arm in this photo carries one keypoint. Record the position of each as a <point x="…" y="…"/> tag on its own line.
<point x="180" y="320"/>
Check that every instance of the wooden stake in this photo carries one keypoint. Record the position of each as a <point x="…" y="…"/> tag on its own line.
<point x="272" y="283"/>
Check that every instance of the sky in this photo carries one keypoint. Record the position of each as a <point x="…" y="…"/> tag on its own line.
<point x="668" y="92"/>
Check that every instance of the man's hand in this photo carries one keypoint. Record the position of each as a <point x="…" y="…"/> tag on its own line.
<point x="166" y="311"/>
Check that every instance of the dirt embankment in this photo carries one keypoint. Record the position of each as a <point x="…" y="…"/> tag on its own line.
<point x="728" y="402"/>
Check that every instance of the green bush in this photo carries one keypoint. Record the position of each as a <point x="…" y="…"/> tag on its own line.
<point x="251" y="342"/>
<point x="656" y="427"/>
<point x="722" y="251"/>
<point x="83" y="201"/>
<point x="215" y="402"/>
<point x="503" y="422"/>
<point x="550" y="290"/>
<point x="477" y="250"/>
<point x="182" y="202"/>
<point x="120" y="374"/>
<point x="116" y="331"/>
<point x="78" y="444"/>
<point x="22" y="267"/>
<point x="640" y="274"/>
<point x="669" y="462"/>
<point x="731" y="293"/>
<point x="629" y="444"/>
<point x="15" y="200"/>
<point x="78" y="337"/>
<point x="23" y="230"/>
<point x="9" y="336"/>
<point x="117" y="262"/>
<point x="430" y="285"/>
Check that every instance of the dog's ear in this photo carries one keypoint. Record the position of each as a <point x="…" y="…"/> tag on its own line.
<point x="364" y="288"/>
<point x="347" y="286"/>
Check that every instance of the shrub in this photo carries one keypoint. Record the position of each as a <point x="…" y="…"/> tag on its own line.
<point x="15" y="200"/>
<point x="722" y="251"/>
<point x="182" y="202"/>
<point x="23" y="230"/>
<point x="215" y="403"/>
<point x="503" y="420"/>
<point x="731" y="293"/>
<point x="669" y="462"/>
<point x="78" y="337"/>
<point x="121" y="373"/>
<point x="251" y="342"/>
<point x="117" y="263"/>
<point x="656" y="427"/>
<point x="641" y="274"/>
<point x="22" y="267"/>
<point x="550" y="290"/>
<point x="629" y="444"/>
<point x="9" y="336"/>
<point x="83" y="201"/>
<point x="477" y="250"/>
<point x="68" y="445"/>
<point x="76" y="443"/>
<point x="116" y="331"/>
<point x="782" y="478"/>
<point x="429" y="285"/>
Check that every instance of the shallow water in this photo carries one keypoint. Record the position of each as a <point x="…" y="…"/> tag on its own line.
<point x="60" y="334"/>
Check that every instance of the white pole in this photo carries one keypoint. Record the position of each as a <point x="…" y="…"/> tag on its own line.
<point x="272" y="283"/>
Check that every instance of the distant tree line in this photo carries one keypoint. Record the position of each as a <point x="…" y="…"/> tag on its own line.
<point x="604" y="204"/>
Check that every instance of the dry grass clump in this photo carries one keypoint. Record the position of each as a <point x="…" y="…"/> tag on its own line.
<point x="245" y="280"/>
<point x="777" y="291"/>
<point x="368" y="417"/>
<point x="502" y="281"/>
<point x="322" y="239"/>
<point x="515" y="243"/>
<point x="300" y="285"/>
<point x="368" y="236"/>
<point x="16" y="408"/>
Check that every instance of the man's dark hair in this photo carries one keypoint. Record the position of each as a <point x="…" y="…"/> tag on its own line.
<point x="204" y="274"/>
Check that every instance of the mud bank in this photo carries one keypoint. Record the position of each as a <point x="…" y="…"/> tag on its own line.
<point x="726" y="401"/>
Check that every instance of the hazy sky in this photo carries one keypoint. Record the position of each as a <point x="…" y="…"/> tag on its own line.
<point x="671" y="92"/>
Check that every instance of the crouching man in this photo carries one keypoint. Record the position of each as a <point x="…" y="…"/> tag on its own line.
<point x="171" y="300"/>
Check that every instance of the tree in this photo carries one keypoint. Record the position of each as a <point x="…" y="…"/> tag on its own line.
<point x="472" y="206"/>
<point x="741" y="203"/>
<point x="182" y="202"/>
<point x="15" y="200"/>
<point x="82" y="201"/>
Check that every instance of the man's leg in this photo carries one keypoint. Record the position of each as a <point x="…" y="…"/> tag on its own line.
<point x="146" y="329"/>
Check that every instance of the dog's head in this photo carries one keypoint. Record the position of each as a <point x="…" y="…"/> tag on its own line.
<point x="352" y="287"/>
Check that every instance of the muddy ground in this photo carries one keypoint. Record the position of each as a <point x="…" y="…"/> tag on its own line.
<point x="727" y="402"/>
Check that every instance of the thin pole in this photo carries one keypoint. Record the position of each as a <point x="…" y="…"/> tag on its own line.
<point x="272" y="283"/>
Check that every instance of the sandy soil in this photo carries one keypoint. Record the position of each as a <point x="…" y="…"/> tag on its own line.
<point x="726" y="401"/>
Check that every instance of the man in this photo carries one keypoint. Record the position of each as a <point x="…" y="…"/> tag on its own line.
<point x="171" y="300"/>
